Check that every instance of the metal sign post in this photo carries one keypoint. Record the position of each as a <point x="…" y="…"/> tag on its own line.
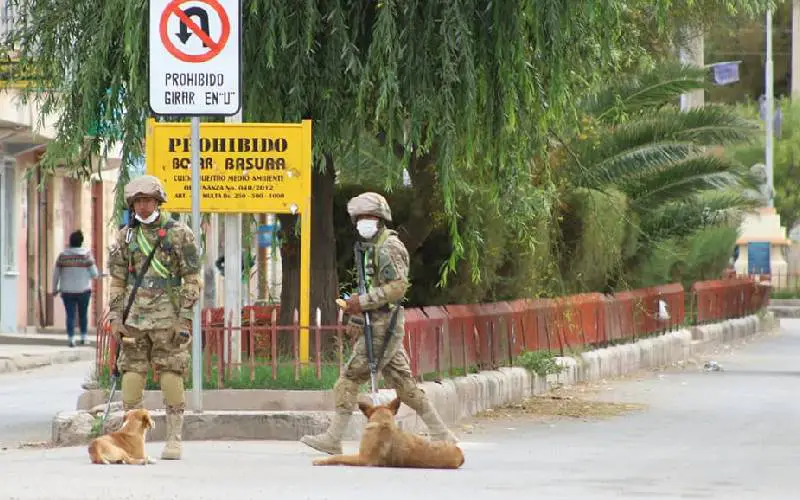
<point x="197" y="342"/>
<point x="195" y="70"/>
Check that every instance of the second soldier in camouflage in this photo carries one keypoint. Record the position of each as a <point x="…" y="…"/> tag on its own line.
<point x="387" y="266"/>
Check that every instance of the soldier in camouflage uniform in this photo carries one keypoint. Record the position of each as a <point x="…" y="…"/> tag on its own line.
<point x="158" y="328"/>
<point x="386" y="269"/>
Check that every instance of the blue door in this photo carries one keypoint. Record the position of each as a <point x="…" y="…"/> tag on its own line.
<point x="758" y="258"/>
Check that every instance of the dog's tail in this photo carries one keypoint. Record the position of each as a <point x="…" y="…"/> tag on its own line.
<point x="95" y="454"/>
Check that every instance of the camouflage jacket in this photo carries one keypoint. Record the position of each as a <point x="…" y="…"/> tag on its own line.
<point x="386" y="270"/>
<point x="173" y="282"/>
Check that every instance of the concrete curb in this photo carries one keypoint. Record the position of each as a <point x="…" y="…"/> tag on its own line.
<point x="784" y="308"/>
<point x="227" y="399"/>
<point x="28" y="361"/>
<point x="455" y="399"/>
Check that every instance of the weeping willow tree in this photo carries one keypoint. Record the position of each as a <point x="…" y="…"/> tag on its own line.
<point x="464" y="91"/>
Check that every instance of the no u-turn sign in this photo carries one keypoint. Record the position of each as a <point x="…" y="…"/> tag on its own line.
<point x="195" y="57"/>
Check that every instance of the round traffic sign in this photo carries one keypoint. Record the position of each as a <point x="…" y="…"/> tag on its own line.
<point x="189" y="27"/>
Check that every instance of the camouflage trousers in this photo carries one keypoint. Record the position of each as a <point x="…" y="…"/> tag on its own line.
<point x="158" y="348"/>
<point x="394" y="366"/>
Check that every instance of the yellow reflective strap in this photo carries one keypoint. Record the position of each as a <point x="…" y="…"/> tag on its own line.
<point x="158" y="267"/>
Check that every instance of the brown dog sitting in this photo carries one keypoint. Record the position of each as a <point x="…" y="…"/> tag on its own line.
<point x="384" y="444"/>
<point x="125" y="445"/>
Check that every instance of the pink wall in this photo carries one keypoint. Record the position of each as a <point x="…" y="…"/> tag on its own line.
<point x="56" y="232"/>
<point x="22" y="279"/>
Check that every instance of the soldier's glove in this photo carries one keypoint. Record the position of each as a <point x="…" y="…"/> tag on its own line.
<point x="353" y="305"/>
<point x="355" y="327"/>
<point x="118" y="330"/>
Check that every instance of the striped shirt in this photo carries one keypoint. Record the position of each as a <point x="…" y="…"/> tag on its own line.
<point x="75" y="268"/>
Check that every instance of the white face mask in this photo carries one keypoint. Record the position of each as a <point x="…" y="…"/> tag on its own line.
<point x="367" y="228"/>
<point x="148" y="220"/>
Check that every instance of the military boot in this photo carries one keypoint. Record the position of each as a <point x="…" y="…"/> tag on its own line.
<point x="330" y="441"/>
<point x="436" y="427"/>
<point x="172" y="450"/>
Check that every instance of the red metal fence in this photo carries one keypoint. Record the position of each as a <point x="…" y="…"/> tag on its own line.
<point x="455" y="339"/>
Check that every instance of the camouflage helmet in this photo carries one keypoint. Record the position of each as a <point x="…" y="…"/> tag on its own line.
<point x="146" y="185"/>
<point x="369" y="204"/>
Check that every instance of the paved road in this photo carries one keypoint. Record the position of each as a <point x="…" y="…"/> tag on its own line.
<point x="29" y="400"/>
<point x="722" y="435"/>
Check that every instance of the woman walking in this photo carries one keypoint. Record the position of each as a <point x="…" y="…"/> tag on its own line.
<point x="75" y="268"/>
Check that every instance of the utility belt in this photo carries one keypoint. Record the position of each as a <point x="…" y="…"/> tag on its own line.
<point x="160" y="283"/>
<point x="385" y="309"/>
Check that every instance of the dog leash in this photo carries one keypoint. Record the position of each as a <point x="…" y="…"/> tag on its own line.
<point x="110" y="398"/>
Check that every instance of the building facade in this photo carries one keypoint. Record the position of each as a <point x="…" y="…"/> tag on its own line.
<point x="39" y="210"/>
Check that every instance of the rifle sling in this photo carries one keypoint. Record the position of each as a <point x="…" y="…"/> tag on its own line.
<point x="127" y="310"/>
<point x="388" y="334"/>
<point x="138" y="282"/>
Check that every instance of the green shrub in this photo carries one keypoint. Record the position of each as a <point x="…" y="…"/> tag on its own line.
<point x="543" y="363"/>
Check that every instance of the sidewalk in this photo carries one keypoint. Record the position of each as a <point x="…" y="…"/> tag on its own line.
<point x="15" y="357"/>
<point x="43" y="338"/>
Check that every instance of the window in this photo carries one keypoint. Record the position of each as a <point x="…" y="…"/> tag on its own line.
<point x="8" y="225"/>
<point x="7" y="19"/>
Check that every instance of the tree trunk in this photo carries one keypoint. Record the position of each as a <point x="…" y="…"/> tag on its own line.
<point x="420" y="224"/>
<point x="422" y="171"/>
<point x="290" y="268"/>
<point x="324" y="277"/>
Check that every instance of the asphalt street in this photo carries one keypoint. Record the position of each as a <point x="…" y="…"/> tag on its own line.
<point x="730" y="434"/>
<point x="30" y="399"/>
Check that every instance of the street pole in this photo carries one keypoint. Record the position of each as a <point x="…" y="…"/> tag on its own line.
<point x="197" y="336"/>
<point x="692" y="52"/>
<point x="274" y="252"/>
<point x="769" y="116"/>
<point x="185" y="82"/>
<point x="233" y="275"/>
<point x="795" y="49"/>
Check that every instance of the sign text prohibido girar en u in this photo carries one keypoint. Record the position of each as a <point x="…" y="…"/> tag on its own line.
<point x="195" y="57"/>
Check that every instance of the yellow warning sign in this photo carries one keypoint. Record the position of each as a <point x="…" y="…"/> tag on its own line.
<point x="244" y="167"/>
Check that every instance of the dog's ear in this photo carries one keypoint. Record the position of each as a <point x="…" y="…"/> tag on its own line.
<point x="394" y="405"/>
<point x="147" y="422"/>
<point x="365" y="408"/>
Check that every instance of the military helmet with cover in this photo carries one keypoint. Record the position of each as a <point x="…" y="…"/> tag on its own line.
<point x="145" y="185"/>
<point x="369" y="204"/>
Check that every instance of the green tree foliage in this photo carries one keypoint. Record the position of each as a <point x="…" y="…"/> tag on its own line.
<point x="743" y="38"/>
<point x="690" y="17"/>
<point x="593" y="229"/>
<point x="786" y="157"/>
<point x="466" y="92"/>
<point x="481" y="82"/>
<point x="700" y="255"/>
<point x="675" y="184"/>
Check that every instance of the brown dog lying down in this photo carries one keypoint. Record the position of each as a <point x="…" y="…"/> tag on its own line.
<point x="125" y="445"/>
<point x="383" y="444"/>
